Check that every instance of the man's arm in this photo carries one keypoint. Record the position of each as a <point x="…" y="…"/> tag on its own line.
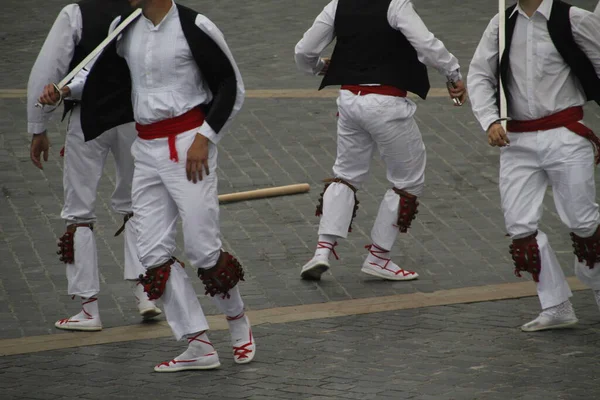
<point x="482" y="81"/>
<point x="430" y="50"/>
<point x="52" y="63"/>
<point x="586" y="32"/>
<point x="308" y="50"/>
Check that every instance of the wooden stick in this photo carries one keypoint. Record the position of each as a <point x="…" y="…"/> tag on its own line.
<point x="501" y="48"/>
<point x="263" y="193"/>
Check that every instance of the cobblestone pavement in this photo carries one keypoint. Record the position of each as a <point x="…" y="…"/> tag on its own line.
<point x="457" y="241"/>
<point x="461" y="352"/>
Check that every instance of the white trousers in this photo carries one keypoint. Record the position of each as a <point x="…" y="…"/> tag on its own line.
<point x="161" y="193"/>
<point x="366" y="122"/>
<point x="83" y="167"/>
<point x="564" y="160"/>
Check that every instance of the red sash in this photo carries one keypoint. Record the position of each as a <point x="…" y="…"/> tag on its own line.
<point x="383" y="90"/>
<point x="568" y="118"/>
<point x="170" y="128"/>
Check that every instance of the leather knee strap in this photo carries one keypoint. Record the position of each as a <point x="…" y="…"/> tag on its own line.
<point x="407" y="210"/>
<point x="526" y="256"/>
<point x="126" y="218"/>
<point x="328" y="182"/>
<point x="66" y="249"/>
<point x="587" y="249"/>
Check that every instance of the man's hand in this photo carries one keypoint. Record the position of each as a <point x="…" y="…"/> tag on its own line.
<point x="325" y="68"/>
<point x="197" y="159"/>
<point x="51" y="96"/>
<point x="497" y="136"/>
<point x="458" y="91"/>
<point x="39" y="145"/>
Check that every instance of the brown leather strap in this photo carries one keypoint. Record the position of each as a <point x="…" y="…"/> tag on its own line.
<point x="73" y="227"/>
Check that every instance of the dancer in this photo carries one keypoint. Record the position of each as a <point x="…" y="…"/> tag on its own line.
<point x="78" y="29"/>
<point x="381" y="51"/>
<point x="172" y="72"/>
<point x="550" y="68"/>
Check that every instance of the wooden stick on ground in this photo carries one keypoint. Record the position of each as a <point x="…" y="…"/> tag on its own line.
<point x="263" y="193"/>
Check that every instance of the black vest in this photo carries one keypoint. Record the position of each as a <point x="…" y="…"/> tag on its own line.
<point x="561" y="33"/>
<point x="369" y="50"/>
<point x="106" y="99"/>
<point x="96" y="16"/>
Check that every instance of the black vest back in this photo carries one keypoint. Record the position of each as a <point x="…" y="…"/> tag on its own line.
<point x="369" y="50"/>
<point x="96" y="16"/>
<point x="561" y="33"/>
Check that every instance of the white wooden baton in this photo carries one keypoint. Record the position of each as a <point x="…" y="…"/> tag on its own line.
<point x="113" y="35"/>
<point x="501" y="48"/>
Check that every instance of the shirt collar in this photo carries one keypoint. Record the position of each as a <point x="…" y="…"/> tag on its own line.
<point x="171" y="14"/>
<point x="545" y="9"/>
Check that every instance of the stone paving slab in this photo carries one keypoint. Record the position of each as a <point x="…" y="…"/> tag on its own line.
<point x="459" y="352"/>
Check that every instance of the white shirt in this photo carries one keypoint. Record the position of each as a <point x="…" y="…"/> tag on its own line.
<point x="166" y="81"/>
<point x="52" y="63"/>
<point x="540" y="82"/>
<point x="597" y="10"/>
<point x="401" y="16"/>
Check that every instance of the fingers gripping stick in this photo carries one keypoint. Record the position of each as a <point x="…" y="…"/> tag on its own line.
<point x="452" y="85"/>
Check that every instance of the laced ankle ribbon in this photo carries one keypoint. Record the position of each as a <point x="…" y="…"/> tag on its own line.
<point x="328" y="246"/>
<point x="241" y="352"/>
<point x="190" y="340"/>
<point x="87" y="314"/>
<point x="375" y="253"/>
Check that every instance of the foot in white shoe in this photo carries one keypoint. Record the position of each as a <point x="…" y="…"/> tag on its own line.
<point x="87" y="320"/>
<point x="560" y="316"/>
<point x="377" y="264"/>
<point x="242" y="340"/>
<point x="319" y="264"/>
<point x="312" y="270"/>
<point x="147" y="308"/>
<point x="199" y="355"/>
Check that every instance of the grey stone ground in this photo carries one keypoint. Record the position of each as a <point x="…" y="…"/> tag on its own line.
<point x="457" y="241"/>
<point x="462" y="352"/>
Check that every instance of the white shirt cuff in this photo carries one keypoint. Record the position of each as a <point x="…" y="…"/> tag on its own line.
<point x="209" y="133"/>
<point x="488" y="121"/>
<point x="76" y="91"/>
<point x="36" y="128"/>
<point x="455" y="76"/>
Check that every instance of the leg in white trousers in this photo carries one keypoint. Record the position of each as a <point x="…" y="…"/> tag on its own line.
<point x="83" y="167"/>
<point x="365" y="122"/>
<point x="561" y="158"/>
<point x="161" y="193"/>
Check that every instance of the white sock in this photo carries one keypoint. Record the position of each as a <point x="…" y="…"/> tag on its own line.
<point x="232" y="306"/>
<point x="198" y="346"/>
<point x="561" y="310"/>
<point x="325" y="246"/>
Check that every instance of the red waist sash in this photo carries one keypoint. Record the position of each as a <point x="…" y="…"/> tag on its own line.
<point x="170" y="128"/>
<point x="568" y="118"/>
<point x="383" y="90"/>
